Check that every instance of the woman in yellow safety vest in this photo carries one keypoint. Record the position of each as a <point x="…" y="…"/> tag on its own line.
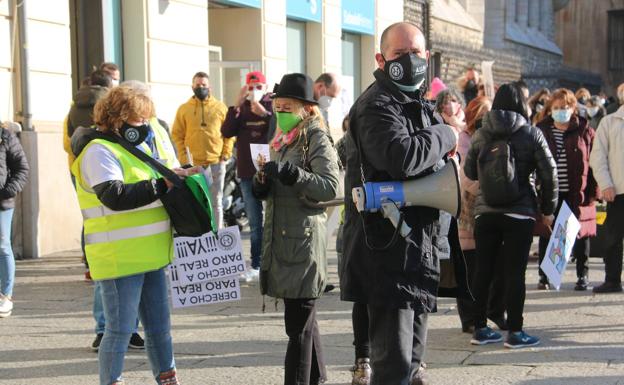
<point x="128" y="236"/>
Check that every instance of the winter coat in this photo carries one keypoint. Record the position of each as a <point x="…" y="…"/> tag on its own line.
<point x="80" y="114"/>
<point x="13" y="168"/>
<point x="583" y="189"/>
<point x="531" y="153"/>
<point x="469" y="190"/>
<point x="294" y="262"/>
<point x="594" y="122"/>
<point x="248" y="128"/>
<point x="397" y="143"/>
<point x="607" y="156"/>
<point x="197" y="126"/>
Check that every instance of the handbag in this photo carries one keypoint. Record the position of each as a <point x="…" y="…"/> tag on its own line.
<point x="187" y="202"/>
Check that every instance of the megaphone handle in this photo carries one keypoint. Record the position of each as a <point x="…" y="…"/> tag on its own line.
<point x="390" y="211"/>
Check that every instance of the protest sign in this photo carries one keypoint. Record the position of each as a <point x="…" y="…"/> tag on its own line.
<point x="488" y="78"/>
<point x="207" y="257"/>
<point x="560" y="245"/>
<point x="260" y="154"/>
<point x="206" y="268"/>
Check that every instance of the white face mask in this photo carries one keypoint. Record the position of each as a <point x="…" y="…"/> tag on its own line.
<point x="255" y="95"/>
<point x="592" y="111"/>
<point x="324" y="102"/>
<point x="603" y="101"/>
<point x="115" y="82"/>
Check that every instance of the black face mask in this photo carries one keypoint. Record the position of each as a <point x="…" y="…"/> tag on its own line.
<point x="201" y="93"/>
<point x="470" y="84"/>
<point x="408" y="71"/>
<point x="135" y="135"/>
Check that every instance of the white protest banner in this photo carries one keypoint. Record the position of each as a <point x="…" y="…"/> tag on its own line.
<point x="203" y="293"/>
<point x="260" y="154"/>
<point x="208" y="257"/>
<point x="488" y="78"/>
<point x="560" y="246"/>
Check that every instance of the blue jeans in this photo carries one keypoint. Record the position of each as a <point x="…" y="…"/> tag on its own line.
<point x="253" y="209"/>
<point x="98" y="311"/>
<point x="7" y="261"/>
<point x="124" y="298"/>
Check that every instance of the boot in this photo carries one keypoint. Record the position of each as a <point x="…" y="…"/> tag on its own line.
<point x="361" y="372"/>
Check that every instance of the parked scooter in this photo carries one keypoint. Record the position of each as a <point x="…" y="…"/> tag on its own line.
<point x="233" y="204"/>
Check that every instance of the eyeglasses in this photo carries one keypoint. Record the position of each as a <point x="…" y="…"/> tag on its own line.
<point x="257" y="87"/>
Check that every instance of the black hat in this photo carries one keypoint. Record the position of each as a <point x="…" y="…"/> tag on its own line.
<point x="296" y="86"/>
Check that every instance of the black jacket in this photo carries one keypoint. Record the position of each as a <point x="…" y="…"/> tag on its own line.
<point x="81" y="112"/>
<point x="531" y="154"/>
<point x="13" y="169"/>
<point x="114" y="194"/>
<point x="398" y="143"/>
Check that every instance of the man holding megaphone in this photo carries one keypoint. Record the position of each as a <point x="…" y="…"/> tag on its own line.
<point x="393" y="266"/>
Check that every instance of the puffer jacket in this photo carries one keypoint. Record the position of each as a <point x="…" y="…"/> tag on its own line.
<point x="531" y="154"/>
<point x="13" y="168"/>
<point x="294" y="262"/>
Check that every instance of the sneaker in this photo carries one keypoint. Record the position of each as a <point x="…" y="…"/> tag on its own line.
<point x="419" y="377"/>
<point x="136" y="342"/>
<point x="608" y="287"/>
<point x="361" y="372"/>
<point x="581" y="284"/>
<point x="252" y="275"/>
<point x="485" y="336"/>
<point x="6" y="306"/>
<point x="520" y="339"/>
<point x="168" y="378"/>
<point x="329" y="287"/>
<point x="543" y="285"/>
<point x="95" y="346"/>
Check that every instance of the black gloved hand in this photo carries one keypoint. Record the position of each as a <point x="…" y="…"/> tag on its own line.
<point x="260" y="190"/>
<point x="288" y="174"/>
<point x="270" y="170"/>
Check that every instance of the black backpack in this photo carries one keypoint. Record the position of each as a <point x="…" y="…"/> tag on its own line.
<point x="496" y="168"/>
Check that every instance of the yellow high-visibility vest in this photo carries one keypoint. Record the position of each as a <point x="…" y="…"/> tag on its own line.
<point x="128" y="242"/>
<point x="164" y="146"/>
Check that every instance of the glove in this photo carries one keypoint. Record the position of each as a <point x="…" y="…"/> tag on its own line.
<point x="289" y="174"/>
<point x="270" y="170"/>
<point x="260" y="190"/>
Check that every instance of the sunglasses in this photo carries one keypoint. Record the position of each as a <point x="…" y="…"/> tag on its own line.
<point x="257" y="86"/>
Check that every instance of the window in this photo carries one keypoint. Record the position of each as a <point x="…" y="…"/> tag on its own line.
<point x="295" y="45"/>
<point x="615" y="44"/>
<point x="351" y="63"/>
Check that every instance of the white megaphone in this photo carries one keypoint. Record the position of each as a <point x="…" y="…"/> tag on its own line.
<point x="439" y="190"/>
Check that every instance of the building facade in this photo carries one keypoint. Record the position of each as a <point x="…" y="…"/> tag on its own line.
<point x="163" y="43"/>
<point x="591" y="35"/>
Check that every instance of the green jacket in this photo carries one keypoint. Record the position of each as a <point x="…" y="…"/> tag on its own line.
<point x="294" y="261"/>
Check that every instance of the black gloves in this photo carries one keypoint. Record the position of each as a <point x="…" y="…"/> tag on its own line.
<point x="260" y="190"/>
<point x="288" y="174"/>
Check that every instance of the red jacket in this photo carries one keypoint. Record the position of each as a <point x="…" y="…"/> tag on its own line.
<point x="578" y="141"/>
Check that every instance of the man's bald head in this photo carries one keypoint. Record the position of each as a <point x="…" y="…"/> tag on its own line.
<point x="399" y="39"/>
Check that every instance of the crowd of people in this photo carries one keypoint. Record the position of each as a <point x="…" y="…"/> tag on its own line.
<point x="521" y="158"/>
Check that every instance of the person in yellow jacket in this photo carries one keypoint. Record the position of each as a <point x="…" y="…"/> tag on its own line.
<point x="128" y="235"/>
<point x="197" y="127"/>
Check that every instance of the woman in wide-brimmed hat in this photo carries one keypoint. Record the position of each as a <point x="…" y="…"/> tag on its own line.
<point x="294" y="264"/>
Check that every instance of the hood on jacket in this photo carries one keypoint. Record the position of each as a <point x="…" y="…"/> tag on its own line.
<point x="87" y="96"/>
<point x="83" y="136"/>
<point x="502" y="124"/>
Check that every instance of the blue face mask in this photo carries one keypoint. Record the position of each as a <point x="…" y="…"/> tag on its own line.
<point x="562" y="115"/>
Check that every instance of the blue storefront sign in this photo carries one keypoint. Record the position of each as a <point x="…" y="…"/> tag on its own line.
<point x="358" y="16"/>
<point x="308" y="10"/>
<point x="242" y="3"/>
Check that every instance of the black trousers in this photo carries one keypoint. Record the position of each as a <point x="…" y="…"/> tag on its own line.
<point x="304" y="364"/>
<point x="614" y="227"/>
<point x="398" y="338"/>
<point x="496" y="301"/>
<point x="493" y="231"/>
<point x="580" y="250"/>
<point x="359" y="317"/>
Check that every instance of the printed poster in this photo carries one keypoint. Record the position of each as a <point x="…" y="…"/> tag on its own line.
<point x="206" y="268"/>
<point x="260" y="154"/>
<point x="559" y="248"/>
<point x="488" y="78"/>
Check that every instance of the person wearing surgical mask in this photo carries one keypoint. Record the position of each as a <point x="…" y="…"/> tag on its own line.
<point x="112" y="70"/>
<point x="248" y="121"/>
<point x="537" y="104"/>
<point x="570" y="138"/>
<point x="595" y="111"/>
<point x="450" y="106"/>
<point x="326" y="89"/>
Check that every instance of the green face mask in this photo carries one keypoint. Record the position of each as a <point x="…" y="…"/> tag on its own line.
<point x="286" y="121"/>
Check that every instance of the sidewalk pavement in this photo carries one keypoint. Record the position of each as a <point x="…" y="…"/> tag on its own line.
<point x="47" y="339"/>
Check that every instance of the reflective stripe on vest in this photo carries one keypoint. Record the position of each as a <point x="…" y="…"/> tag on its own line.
<point x="100" y="211"/>
<point x="126" y="242"/>
<point x="127" y="233"/>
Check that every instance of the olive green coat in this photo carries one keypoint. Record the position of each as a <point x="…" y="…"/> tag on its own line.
<point x="294" y="262"/>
